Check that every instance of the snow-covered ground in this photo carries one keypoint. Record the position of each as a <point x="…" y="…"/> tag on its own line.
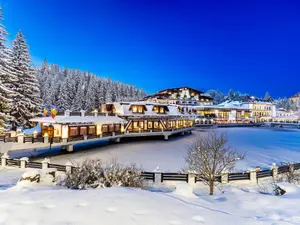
<point x="128" y="206"/>
<point x="263" y="145"/>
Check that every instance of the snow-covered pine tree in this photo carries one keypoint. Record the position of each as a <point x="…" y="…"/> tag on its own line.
<point x="231" y="94"/>
<point x="7" y="78"/>
<point x="100" y="94"/>
<point x="218" y="97"/>
<point x="27" y="102"/>
<point x="67" y="91"/>
<point x="267" y="97"/>
<point x="60" y="88"/>
<point x="91" y="93"/>
<point x="80" y="97"/>
<point x="108" y="93"/>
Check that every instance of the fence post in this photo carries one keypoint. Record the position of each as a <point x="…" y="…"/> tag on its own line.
<point x="253" y="175"/>
<point x="45" y="163"/>
<point x="46" y="139"/>
<point x="4" y="157"/>
<point x="291" y="168"/>
<point x="20" y="138"/>
<point x="157" y="175"/>
<point x="274" y="168"/>
<point x="191" y="178"/>
<point x="23" y="162"/>
<point x="224" y="177"/>
<point x="68" y="167"/>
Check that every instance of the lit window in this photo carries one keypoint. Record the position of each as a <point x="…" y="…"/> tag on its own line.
<point x="161" y="110"/>
<point x="73" y="131"/>
<point x="134" y="109"/>
<point x="140" y="109"/>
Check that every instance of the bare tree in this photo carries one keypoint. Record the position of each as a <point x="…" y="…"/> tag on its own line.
<point x="209" y="155"/>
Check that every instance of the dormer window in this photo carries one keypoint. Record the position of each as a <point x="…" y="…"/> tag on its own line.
<point x="160" y="109"/>
<point x="137" y="108"/>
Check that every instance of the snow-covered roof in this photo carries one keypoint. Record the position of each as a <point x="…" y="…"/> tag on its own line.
<point x="225" y="105"/>
<point x="79" y="119"/>
<point x="124" y="109"/>
<point x="286" y="115"/>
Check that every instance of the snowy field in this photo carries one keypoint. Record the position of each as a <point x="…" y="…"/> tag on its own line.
<point x="39" y="204"/>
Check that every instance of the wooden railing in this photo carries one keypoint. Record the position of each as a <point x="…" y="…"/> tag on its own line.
<point x="8" y="139"/>
<point x="174" y="177"/>
<point x="163" y="177"/>
<point x="238" y="176"/>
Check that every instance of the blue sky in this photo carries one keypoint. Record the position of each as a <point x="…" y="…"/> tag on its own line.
<point x="251" y="46"/>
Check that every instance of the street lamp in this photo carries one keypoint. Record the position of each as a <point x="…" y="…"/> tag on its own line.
<point x="51" y="136"/>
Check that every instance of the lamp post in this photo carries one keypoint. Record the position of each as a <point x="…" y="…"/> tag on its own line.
<point x="51" y="136"/>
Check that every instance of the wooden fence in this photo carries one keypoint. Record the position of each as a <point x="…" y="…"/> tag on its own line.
<point x="159" y="176"/>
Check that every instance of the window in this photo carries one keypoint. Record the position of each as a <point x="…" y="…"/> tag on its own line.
<point x="83" y="130"/>
<point x="111" y="128"/>
<point x="156" y="125"/>
<point x="161" y="110"/>
<point x="117" y="127"/>
<point x="149" y="125"/>
<point x="73" y="131"/>
<point x="138" y="109"/>
<point x="92" y="130"/>
<point x="104" y="128"/>
<point x="141" y="109"/>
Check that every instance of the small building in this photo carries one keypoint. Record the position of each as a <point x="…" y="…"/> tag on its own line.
<point x="225" y="113"/>
<point x="180" y="96"/>
<point x="79" y="126"/>
<point x="283" y="116"/>
<point x="151" y="116"/>
<point x="261" y="111"/>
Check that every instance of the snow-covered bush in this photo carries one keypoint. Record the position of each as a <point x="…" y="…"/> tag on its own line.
<point x="118" y="175"/>
<point x="292" y="176"/>
<point x="93" y="174"/>
<point x="271" y="187"/>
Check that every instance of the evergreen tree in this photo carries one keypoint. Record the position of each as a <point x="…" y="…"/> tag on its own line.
<point x="26" y="103"/>
<point x="231" y="95"/>
<point x="108" y="93"/>
<point x="79" y="100"/>
<point x="7" y="78"/>
<point x="63" y="89"/>
<point x="91" y="94"/>
<point x="218" y="97"/>
<point x="267" y="97"/>
<point x="68" y="90"/>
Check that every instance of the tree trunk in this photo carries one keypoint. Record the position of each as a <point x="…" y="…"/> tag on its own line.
<point x="211" y="186"/>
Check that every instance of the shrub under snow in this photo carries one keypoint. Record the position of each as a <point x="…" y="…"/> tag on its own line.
<point x="92" y="174"/>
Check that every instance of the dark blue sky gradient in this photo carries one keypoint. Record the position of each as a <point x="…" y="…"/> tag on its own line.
<point x="251" y="46"/>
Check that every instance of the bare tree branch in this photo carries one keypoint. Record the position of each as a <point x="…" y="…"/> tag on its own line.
<point x="209" y="155"/>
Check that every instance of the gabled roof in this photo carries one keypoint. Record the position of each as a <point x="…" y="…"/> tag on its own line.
<point x="177" y="88"/>
<point x="79" y="119"/>
<point x="171" y="110"/>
